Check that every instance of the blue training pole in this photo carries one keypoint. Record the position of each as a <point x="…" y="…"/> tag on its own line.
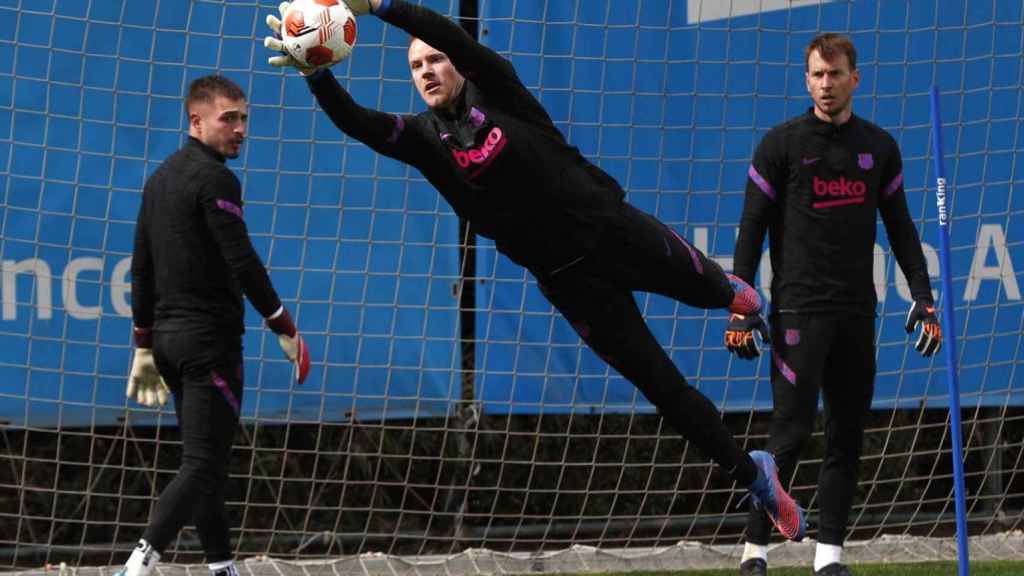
<point x="949" y="330"/>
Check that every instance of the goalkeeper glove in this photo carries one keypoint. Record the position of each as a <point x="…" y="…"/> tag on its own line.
<point x="145" y="383"/>
<point x="922" y="314"/>
<point x="274" y="43"/>
<point x="292" y="344"/>
<point x="744" y="334"/>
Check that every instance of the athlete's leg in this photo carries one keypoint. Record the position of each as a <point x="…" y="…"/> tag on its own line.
<point x="639" y="252"/>
<point x="207" y="394"/>
<point x="799" y="354"/>
<point x="847" y="397"/>
<point x="607" y="318"/>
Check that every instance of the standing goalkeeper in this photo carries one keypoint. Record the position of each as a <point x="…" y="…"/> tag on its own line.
<point x="815" y="185"/>
<point x="191" y="264"/>
<point x="488" y="146"/>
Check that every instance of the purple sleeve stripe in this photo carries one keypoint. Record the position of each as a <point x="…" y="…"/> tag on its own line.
<point x="761" y="182"/>
<point x="893" y="186"/>
<point x="397" y="131"/>
<point x="228" y="206"/>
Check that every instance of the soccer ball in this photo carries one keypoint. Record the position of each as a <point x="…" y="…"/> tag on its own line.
<point x="318" y="33"/>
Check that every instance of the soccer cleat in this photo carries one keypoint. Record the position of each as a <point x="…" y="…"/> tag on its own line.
<point x="754" y="567"/>
<point x="767" y="492"/>
<point x="745" y="300"/>
<point x="141" y="562"/>
<point x="834" y="569"/>
<point x="229" y="570"/>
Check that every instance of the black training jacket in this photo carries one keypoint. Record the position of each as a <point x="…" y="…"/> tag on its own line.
<point x="193" y="259"/>
<point x="498" y="160"/>
<point x="817" y="188"/>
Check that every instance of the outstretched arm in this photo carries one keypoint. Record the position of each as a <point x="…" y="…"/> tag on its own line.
<point x="486" y="69"/>
<point x="471" y="58"/>
<point x="385" y="133"/>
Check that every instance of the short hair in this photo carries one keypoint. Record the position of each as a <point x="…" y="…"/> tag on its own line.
<point x="207" y="88"/>
<point x="829" y="45"/>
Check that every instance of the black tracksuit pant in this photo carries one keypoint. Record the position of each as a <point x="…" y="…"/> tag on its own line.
<point x="204" y="372"/>
<point x="836" y="355"/>
<point x="638" y="252"/>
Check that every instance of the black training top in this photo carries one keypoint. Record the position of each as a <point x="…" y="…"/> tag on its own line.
<point x="815" y="187"/>
<point x="498" y="160"/>
<point x="193" y="258"/>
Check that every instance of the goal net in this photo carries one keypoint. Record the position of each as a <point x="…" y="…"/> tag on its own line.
<point x="452" y="421"/>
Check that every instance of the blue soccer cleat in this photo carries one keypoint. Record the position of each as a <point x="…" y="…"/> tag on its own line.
<point x="767" y="492"/>
<point x="745" y="301"/>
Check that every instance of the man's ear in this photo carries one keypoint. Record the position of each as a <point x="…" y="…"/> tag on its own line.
<point x="194" y="121"/>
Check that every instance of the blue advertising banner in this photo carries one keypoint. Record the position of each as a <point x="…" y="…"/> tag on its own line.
<point x="668" y="98"/>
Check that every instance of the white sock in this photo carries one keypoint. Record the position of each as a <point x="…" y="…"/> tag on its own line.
<point x="142" y="560"/>
<point x="825" y="554"/>
<point x="228" y="565"/>
<point x="754" y="551"/>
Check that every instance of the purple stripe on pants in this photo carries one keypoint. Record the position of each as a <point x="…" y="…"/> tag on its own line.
<point x="693" y="253"/>
<point x="222" y="385"/>
<point x="784" y="368"/>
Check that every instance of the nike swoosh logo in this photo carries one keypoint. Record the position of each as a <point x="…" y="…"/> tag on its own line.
<point x="811" y="160"/>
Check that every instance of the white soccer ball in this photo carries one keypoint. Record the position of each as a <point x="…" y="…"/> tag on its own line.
<point x="318" y="33"/>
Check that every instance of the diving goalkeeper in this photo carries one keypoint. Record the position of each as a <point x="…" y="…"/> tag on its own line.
<point x="489" y="147"/>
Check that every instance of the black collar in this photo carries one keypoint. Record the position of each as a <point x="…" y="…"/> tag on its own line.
<point x="194" y="142"/>
<point x="822" y="127"/>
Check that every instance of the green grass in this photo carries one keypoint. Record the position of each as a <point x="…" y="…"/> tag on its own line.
<point x="1001" y="568"/>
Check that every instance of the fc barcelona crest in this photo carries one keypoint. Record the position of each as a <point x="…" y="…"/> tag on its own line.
<point x="865" y="161"/>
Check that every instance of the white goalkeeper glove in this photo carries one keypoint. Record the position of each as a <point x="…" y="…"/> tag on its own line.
<point x="274" y="43"/>
<point x="291" y="342"/>
<point x="145" y="384"/>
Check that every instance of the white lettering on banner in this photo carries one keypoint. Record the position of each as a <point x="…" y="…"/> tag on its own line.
<point x="44" y="299"/>
<point x="121" y="287"/>
<point x="991" y="236"/>
<point x="42" y="282"/>
<point x="70" y="291"/>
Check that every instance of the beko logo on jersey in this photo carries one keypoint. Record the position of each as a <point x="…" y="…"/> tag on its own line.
<point x="845" y="191"/>
<point x="485" y="153"/>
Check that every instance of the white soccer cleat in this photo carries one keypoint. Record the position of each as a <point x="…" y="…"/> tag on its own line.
<point x="141" y="562"/>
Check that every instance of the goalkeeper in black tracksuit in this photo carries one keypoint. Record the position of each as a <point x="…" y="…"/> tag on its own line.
<point x="816" y="185"/>
<point x="490" y="148"/>
<point x="192" y="262"/>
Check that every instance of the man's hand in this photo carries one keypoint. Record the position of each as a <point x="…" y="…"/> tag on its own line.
<point x="291" y="343"/>
<point x="145" y="383"/>
<point x="929" y="339"/>
<point x="744" y="334"/>
<point x="274" y="43"/>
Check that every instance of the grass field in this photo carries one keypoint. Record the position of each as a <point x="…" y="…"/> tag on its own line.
<point x="1002" y="568"/>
